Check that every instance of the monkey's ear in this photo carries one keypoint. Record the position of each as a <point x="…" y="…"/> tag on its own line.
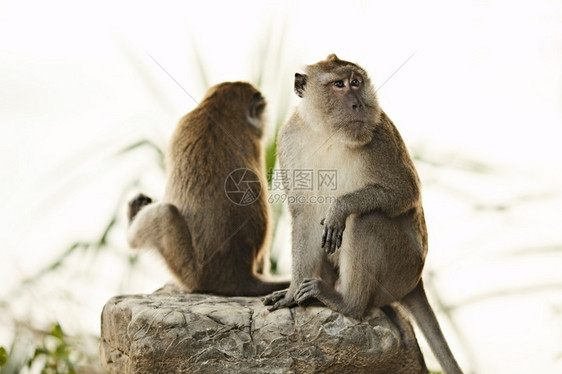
<point x="300" y="82"/>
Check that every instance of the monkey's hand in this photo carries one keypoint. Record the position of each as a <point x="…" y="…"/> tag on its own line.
<point x="334" y="224"/>
<point x="278" y="300"/>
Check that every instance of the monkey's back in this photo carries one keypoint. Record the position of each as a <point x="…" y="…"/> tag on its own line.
<point x="205" y="149"/>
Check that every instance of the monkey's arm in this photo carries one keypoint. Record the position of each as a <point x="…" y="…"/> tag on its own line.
<point x="392" y="201"/>
<point x="374" y="197"/>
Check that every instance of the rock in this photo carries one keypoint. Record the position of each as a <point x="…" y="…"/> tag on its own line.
<point x="173" y="332"/>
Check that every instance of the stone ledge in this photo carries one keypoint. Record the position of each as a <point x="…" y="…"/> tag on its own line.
<point x="173" y="332"/>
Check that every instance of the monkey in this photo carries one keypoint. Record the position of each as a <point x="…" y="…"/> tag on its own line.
<point x="367" y="246"/>
<point x="211" y="241"/>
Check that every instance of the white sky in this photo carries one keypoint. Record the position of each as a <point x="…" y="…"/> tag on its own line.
<point x="485" y="82"/>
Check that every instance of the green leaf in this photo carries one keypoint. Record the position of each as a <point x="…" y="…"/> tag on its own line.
<point x="39" y="352"/>
<point x="270" y="158"/>
<point x="56" y="263"/>
<point x="3" y="356"/>
<point x="57" y="331"/>
<point x="103" y="240"/>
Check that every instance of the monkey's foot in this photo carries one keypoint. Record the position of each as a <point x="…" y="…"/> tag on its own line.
<point x="274" y="297"/>
<point x="310" y="288"/>
<point x="136" y="204"/>
<point x="279" y="300"/>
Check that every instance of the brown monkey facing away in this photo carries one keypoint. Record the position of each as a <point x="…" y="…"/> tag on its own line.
<point x="372" y="234"/>
<point x="211" y="241"/>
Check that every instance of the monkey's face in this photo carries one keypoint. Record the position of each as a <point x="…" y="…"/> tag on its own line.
<point x="339" y="98"/>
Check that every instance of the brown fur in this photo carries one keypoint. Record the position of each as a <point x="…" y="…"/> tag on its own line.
<point x="374" y="231"/>
<point x="208" y="242"/>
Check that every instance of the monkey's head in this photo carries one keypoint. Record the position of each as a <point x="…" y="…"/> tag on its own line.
<point x="238" y="101"/>
<point x="338" y="97"/>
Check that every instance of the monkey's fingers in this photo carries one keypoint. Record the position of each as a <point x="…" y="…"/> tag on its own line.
<point x="307" y="290"/>
<point x="302" y="295"/>
<point x="274" y="297"/>
<point x="334" y="241"/>
<point x="283" y="303"/>
<point x="340" y="238"/>
<point x="327" y="239"/>
<point x="274" y="307"/>
<point x="324" y="235"/>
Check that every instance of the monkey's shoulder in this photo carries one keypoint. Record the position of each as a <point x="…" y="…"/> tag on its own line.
<point x="387" y="132"/>
<point x="294" y="138"/>
<point x="295" y="126"/>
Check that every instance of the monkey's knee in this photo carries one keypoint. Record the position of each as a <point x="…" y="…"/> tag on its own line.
<point x="153" y="224"/>
<point x="136" y="204"/>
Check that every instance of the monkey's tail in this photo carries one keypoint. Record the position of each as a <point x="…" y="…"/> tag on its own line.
<point x="418" y="305"/>
<point x="262" y="286"/>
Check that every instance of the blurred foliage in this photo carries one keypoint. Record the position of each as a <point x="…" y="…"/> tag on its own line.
<point x="83" y="246"/>
<point x="3" y="356"/>
<point x="57" y="354"/>
<point x="150" y="144"/>
<point x="47" y="352"/>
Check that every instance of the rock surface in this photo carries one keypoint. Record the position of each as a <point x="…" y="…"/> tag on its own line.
<point x="173" y="332"/>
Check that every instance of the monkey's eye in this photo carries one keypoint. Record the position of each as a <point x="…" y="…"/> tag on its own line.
<point x="339" y="84"/>
<point x="355" y="83"/>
